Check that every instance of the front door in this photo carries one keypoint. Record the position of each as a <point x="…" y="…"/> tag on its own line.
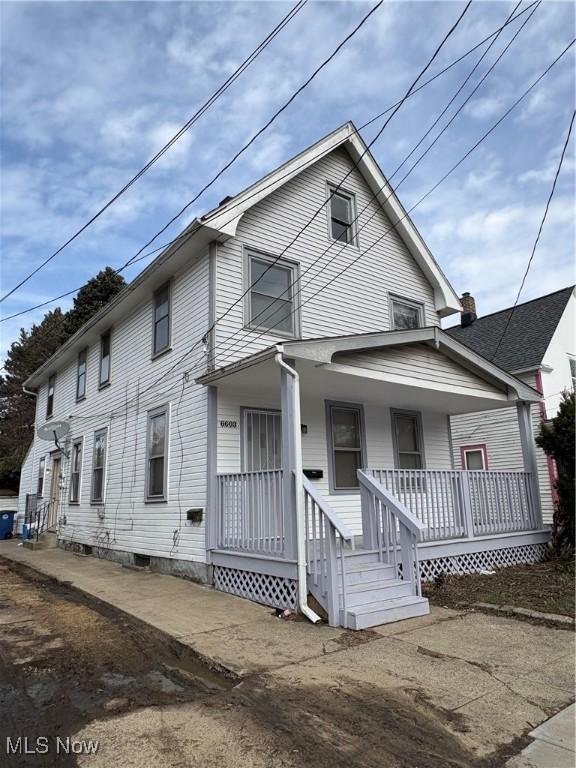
<point x="262" y="440"/>
<point x="54" y="492"/>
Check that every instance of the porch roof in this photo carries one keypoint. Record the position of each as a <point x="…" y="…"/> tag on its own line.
<point x="333" y="354"/>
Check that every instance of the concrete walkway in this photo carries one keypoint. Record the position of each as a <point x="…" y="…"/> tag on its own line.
<point x="488" y="679"/>
<point x="553" y="745"/>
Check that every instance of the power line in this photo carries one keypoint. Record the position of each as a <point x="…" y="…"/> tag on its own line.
<point x="540" y="228"/>
<point x="189" y="371"/>
<point x="429" y="192"/>
<point x="374" y="195"/>
<point x="195" y="117"/>
<point x="187" y="235"/>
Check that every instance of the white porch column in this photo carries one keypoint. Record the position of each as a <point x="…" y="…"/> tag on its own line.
<point x="529" y="454"/>
<point x="212" y="509"/>
<point x="287" y="385"/>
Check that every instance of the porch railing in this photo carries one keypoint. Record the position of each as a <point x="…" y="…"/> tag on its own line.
<point x="326" y="537"/>
<point x="463" y="503"/>
<point x="391" y="529"/>
<point x="251" y="512"/>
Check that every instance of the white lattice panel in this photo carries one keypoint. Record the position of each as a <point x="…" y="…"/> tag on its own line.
<point x="472" y="562"/>
<point x="262" y="588"/>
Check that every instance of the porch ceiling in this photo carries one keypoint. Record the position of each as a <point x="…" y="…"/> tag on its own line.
<point x="327" y="382"/>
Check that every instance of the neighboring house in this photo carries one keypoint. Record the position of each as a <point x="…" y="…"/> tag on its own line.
<point x="245" y="415"/>
<point x="8" y="500"/>
<point x="536" y="343"/>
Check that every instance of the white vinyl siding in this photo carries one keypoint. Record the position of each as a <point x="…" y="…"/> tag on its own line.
<point x="355" y="302"/>
<point x="498" y="430"/>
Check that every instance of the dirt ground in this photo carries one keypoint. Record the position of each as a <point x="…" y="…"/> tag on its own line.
<point x="71" y="665"/>
<point x="547" y="587"/>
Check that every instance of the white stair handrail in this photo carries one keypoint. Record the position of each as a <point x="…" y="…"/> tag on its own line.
<point x="327" y="510"/>
<point x="404" y="515"/>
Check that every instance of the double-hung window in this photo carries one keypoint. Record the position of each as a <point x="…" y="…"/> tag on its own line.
<point x="342" y="215"/>
<point x="162" y="324"/>
<point x="406" y="314"/>
<point x="50" y="397"/>
<point x="156" y="455"/>
<point x="41" y="471"/>
<point x="270" y="298"/>
<point x="346" y="440"/>
<point x="99" y="466"/>
<point x="407" y="439"/>
<point x="104" y="374"/>
<point x="573" y="371"/>
<point x="76" y="471"/>
<point x="81" y="374"/>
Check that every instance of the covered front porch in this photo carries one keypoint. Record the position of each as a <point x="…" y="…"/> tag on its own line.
<point x="332" y="458"/>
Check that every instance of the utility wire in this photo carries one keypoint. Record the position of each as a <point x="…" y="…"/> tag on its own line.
<point x="187" y="235"/>
<point x="191" y="372"/>
<point x="540" y="228"/>
<point x="195" y="117"/>
<point x="352" y="226"/>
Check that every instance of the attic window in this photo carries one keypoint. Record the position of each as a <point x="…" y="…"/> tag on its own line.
<point x="406" y="314"/>
<point x="342" y="215"/>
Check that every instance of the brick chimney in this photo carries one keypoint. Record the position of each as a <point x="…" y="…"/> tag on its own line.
<point x="468" y="310"/>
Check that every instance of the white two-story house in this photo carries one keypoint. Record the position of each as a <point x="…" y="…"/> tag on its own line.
<point x="266" y="407"/>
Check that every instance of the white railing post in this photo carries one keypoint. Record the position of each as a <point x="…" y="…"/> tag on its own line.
<point x="332" y="598"/>
<point x="369" y="526"/>
<point x="407" y="555"/>
<point x="529" y="456"/>
<point x="466" y="497"/>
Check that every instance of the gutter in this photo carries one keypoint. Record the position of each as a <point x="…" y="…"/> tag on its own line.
<point x="300" y="522"/>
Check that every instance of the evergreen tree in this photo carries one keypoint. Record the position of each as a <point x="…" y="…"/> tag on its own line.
<point x="95" y="294"/>
<point x="26" y="355"/>
<point x="556" y="438"/>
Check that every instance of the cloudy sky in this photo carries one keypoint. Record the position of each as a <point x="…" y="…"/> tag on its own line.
<point x="90" y="91"/>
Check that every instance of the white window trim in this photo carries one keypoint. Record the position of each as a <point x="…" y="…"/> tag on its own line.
<point x="330" y="405"/>
<point x="162" y="409"/>
<point x="41" y="474"/>
<point x="294" y="267"/>
<point x="99" y="502"/>
<point x="481" y="449"/>
<point x="103" y="384"/>
<point x="169" y="285"/>
<point x="572" y="359"/>
<point x="52" y="378"/>
<point x="78" y="441"/>
<point x="81" y="397"/>
<point x="394" y="412"/>
<point x="354" y="240"/>
<point x="396" y="299"/>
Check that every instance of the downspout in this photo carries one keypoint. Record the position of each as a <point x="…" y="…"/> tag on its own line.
<point x="29" y="391"/>
<point x="300" y="523"/>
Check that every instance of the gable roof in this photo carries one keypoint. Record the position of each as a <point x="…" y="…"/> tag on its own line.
<point x="445" y="298"/>
<point x="527" y="337"/>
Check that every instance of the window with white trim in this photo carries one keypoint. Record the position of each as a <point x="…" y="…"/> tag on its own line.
<point x="406" y="314"/>
<point x="474" y="458"/>
<point x="99" y="465"/>
<point x="81" y="374"/>
<point x="270" y="299"/>
<point x="573" y="371"/>
<point x="407" y="439"/>
<point x="346" y="441"/>
<point x="342" y="215"/>
<point x="156" y="454"/>
<point x="105" y="348"/>
<point x="41" y="472"/>
<point x="162" y="321"/>
<point x="76" y="471"/>
<point x="50" y="396"/>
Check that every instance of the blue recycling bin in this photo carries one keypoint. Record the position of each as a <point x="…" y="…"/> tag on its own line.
<point x="6" y="524"/>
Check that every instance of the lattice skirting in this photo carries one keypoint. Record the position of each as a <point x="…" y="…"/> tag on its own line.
<point x="472" y="562"/>
<point x="276" y="591"/>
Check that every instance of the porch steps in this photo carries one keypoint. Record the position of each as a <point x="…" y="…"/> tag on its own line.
<point x="384" y="612"/>
<point x="374" y="593"/>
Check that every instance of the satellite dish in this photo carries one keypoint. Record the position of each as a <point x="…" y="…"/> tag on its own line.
<point x="53" y="431"/>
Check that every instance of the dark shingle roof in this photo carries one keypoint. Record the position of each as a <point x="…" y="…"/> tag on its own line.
<point x="527" y="337"/>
